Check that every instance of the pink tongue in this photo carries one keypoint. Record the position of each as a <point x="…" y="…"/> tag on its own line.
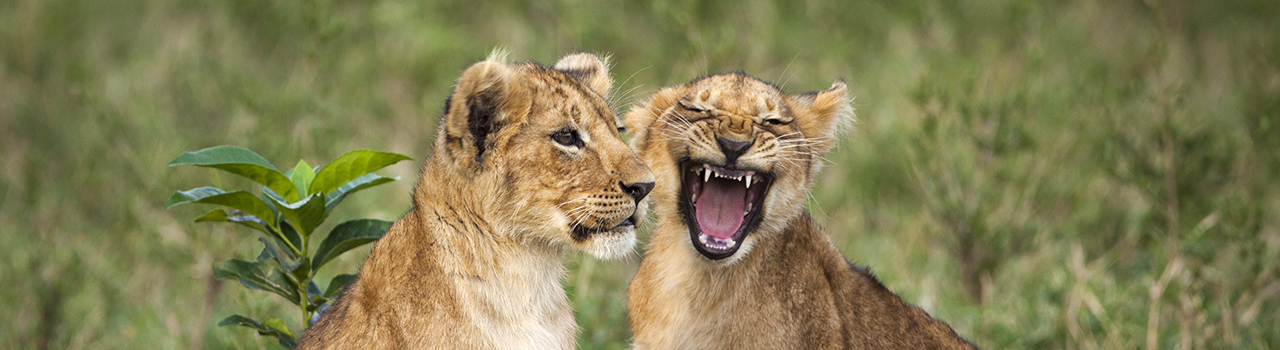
<point x="720" y="207"/>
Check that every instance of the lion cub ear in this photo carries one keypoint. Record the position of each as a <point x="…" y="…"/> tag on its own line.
<point x="590" y="70"/>
<point x="489" y="96"/>
<point x="822" y="115"/>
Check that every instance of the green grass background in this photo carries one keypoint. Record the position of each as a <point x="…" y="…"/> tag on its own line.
<point x="1040" y="174"/>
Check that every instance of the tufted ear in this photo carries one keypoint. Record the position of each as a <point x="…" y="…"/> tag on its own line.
<point x="489" y="96"/>
<point x="823" y="115"/>
<point x="591" y="71"/>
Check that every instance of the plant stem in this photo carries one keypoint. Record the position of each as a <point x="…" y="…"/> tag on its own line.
<point x="306" y="315"/>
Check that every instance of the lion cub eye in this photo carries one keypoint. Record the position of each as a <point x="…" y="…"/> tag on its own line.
<point x="691" y="108"/>
<point x="776" y="121"/>
<point x="567" y="137"/>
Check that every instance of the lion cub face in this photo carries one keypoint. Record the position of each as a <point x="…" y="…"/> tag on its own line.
<point x="735" y="156"/>
<point x="543" y="147"/>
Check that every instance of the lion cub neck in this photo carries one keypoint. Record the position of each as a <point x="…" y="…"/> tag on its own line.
<point x="451" y="276"/>
<point x="470" y="238"/>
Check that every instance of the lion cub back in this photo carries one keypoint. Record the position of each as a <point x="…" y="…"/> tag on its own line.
<point x="870" y="316"/>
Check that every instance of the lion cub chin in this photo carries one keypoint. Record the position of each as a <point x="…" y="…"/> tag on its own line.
<point x="527" y="163"/>
<point x="735" y="262"/>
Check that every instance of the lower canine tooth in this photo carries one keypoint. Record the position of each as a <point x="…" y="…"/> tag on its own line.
<point x="703" y="239"/>
<point x="731" y="244"/>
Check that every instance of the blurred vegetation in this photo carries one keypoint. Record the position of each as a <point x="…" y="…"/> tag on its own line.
<point x="1040" y="174"/>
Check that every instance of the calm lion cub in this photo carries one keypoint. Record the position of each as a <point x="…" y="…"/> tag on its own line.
<point x="527" y="163"/>
<point x="735" y="262"/>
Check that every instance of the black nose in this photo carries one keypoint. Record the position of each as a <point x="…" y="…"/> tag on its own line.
<point x="732" y="149"/>
<point x="637" y="190"/>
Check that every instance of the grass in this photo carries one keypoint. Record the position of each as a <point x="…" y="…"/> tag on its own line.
<point x="1085" y="174"/>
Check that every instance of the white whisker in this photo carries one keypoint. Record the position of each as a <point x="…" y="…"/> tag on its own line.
<point x="572" y="200"/>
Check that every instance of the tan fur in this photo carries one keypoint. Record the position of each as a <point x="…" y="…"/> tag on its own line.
<point x="477" y="262"/>
<point x="787" y="287"/>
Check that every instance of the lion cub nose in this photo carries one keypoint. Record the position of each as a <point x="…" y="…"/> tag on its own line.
<point x="732" y="149"/>
<point x="637" y="190"/>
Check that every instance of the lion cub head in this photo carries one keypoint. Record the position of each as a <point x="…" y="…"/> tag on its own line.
<point x="540" y="149"/>
<point x="735" y="156"/>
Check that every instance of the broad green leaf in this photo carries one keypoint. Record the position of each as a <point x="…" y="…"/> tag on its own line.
<point x="241" y="161"/>
<point x="337" y="284"/>
<point x="257" y="275"/>
<point x="305" y="214"/>
<point x="286" y="338"/>
<point x="269" y="252"/>
<point x="360" y="183"/>
<point x="285" y="232"/>
<point x="282" y="332"/>
<point x="301" y="176"/>
<point x="237" y="320"/>
<point x="288" y="342"/>
<point x="244" y="201"/>
<point x="237" y="217"/>
<point x="351" y="166"/>
<point x="277" y="325"/>
<point x="289" y="233"/>
<point x="301" y="269"/>
<point x="315" y="297"/>
<point x="214" y="215"/>
<point x="348" y="235"/>
<point x="313" y="290"/>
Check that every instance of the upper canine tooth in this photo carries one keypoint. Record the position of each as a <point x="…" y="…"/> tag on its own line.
<point x="748" y="180"/>
<point x="706" y="176"/>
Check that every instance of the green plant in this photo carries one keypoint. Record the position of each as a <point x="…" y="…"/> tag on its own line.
<point x="292" y="205"/>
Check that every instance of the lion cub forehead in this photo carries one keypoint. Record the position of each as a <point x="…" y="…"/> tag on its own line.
<point x="736" y="94"/>
<point x="563" y="95"/>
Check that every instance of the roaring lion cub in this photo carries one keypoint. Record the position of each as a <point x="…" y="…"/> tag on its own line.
<point x="735" y="262"/>
<point x="527" y="163"/>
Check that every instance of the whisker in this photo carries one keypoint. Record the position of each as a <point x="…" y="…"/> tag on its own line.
<point x="673" y="138"/>
<point x="784" y="71"/>
<point x="793" y="146"/>
<point x="571" y="201"/>
<point x="619" y="99"/>
<point x="624" y="81"/>
<point x="684" y="127"/>
<point x="787" y="134"/>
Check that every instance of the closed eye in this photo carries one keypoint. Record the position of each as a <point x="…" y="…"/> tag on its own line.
<point x="691" y="108"/>
<point x="777" y="121"/>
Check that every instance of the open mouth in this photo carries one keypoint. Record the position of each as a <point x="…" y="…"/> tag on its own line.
<point x="721" y="205"/>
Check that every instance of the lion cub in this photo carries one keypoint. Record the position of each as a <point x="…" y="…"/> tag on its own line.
<point x="735" y="262"/>
<point x="527" y="163"/>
